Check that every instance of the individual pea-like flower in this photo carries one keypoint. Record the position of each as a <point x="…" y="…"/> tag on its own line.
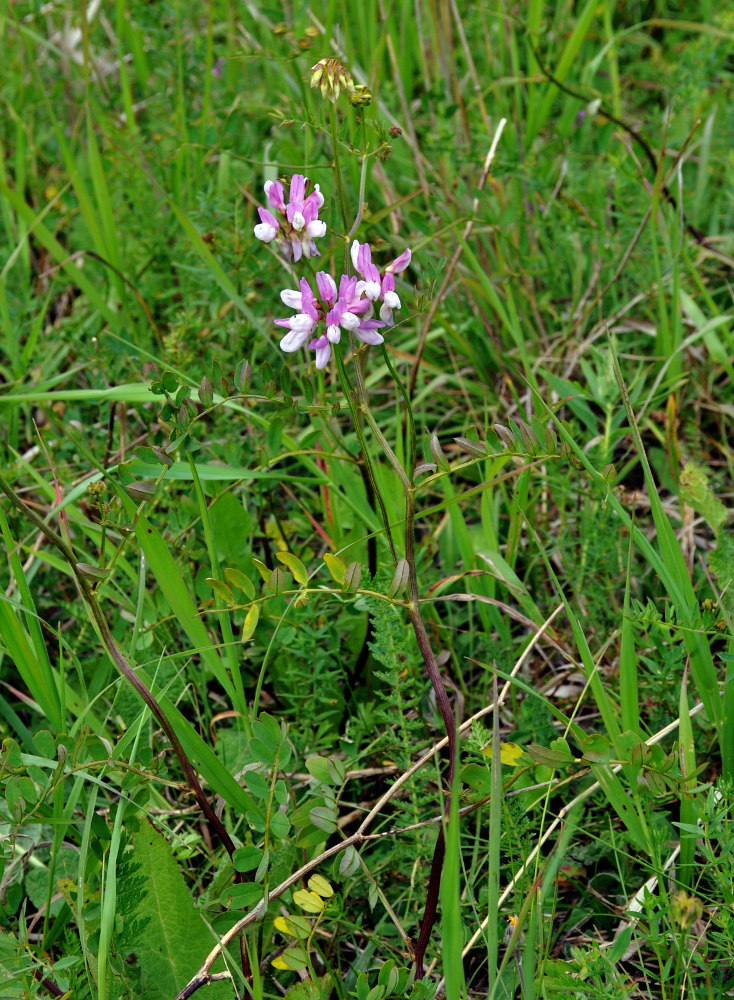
<point x="296" y="226"/>
<point x="335" y="309"/>
<point x="331" y="77"/>
<point x="376" y="286"/>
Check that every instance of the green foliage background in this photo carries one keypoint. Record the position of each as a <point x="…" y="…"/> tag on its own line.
<point x="566" y="333"/>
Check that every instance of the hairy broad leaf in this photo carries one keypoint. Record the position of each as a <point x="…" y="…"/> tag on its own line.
<point x="162" y="928"/>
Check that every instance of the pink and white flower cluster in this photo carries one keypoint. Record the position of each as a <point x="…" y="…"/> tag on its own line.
<point x="296" y="226"/>
<point x="348" y="306"/>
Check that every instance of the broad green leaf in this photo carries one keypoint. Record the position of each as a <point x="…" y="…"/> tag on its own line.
<point x="294" y="926"/>
<point x="400" y="578"/>
<point x="311" y="902"/>
<point x="236" y="578"/>
<point x="264" y="571"/>
<point x="317" y="883"/>
<point x="295" y="565"/>
<point x="335" y="566"/>
<point x="352" y="577"/>
<point x="277" y="582"/>
<point x="251" y="619"/>
<point x="279" y="825"/>
<point x="221" y="589"/>
<point x="161" y="925"/>
<point x="324" y="818"/>
<point x="548" y="757"/>
<point x="349" y="862"/>
<point x="292" y="958"/>
<point x="247" y="859"/>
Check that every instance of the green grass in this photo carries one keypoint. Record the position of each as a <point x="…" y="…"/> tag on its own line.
<point x="229" y="611"/>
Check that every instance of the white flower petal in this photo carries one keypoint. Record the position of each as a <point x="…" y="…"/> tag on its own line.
<point x="322" y="356"/>
<point x="354" y="251"/>
<point x="294" y="340"/>
<point x="349" y="321"/>
<point x="291" y="298"/>
<point x="265" y="232"/>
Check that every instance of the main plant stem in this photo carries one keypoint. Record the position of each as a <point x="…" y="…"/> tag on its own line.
<point x="359" y="408"/>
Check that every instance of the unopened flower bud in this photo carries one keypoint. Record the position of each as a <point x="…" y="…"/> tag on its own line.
<point x="395" y="131"/>
<point x="361" y="96"/>
<point x="331" y="77"/>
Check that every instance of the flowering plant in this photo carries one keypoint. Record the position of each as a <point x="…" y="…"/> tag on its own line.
<point x="349" y="305"/>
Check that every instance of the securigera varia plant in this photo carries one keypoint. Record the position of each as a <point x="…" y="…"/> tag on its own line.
<point x="348" y="305"/>
<point x="361" y="302"/>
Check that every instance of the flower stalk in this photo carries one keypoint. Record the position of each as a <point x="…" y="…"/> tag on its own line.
<point x="318" y="323"/>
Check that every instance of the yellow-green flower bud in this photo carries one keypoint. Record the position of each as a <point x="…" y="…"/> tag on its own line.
<point x="361" y="96"/>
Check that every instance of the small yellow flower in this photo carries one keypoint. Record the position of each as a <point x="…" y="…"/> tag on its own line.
<point x="512" y="922"/>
